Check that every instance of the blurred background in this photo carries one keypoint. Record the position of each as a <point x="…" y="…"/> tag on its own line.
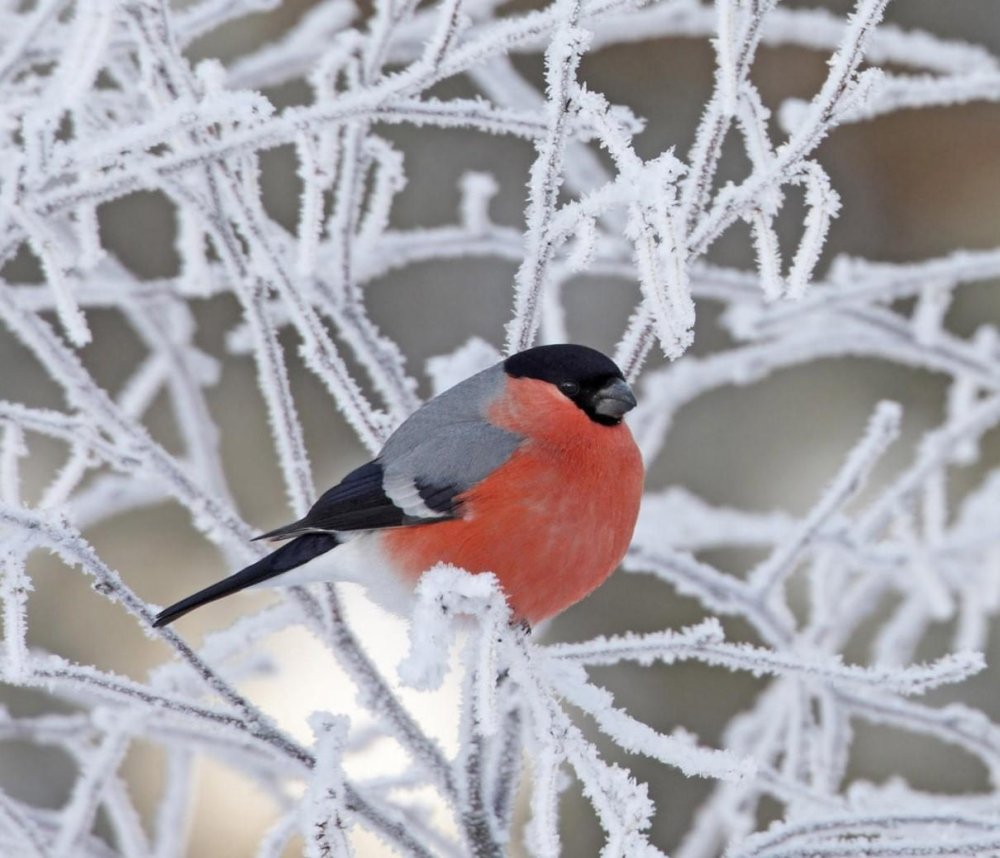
<point x="914" y="185"/>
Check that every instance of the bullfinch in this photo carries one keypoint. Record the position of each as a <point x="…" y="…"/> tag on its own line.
<point x="524" y="470"/>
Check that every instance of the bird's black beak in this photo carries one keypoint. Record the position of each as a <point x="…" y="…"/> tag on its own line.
<point x="614" y="399"/>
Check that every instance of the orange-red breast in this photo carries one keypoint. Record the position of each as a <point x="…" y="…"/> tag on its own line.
<point x="524" y="470"/>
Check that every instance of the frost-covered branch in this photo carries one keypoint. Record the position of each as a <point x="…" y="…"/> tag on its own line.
<point x="101" y="100"/>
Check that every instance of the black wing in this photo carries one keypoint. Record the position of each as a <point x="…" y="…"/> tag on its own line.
<point x="359" y="502"/>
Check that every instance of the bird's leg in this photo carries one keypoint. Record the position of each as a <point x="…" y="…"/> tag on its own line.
<point x="521" y="625"/>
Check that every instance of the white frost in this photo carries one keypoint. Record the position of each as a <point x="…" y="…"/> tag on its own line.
<point x="99" y="100"/>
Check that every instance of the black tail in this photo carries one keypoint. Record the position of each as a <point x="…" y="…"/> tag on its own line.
<point x="286" y="531"/>
<point x="289" y="556"/>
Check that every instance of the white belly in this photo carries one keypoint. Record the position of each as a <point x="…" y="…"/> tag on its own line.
<point x="359" y="560"/>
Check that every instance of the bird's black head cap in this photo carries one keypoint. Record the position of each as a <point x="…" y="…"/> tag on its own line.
<point x="590" y="379"/>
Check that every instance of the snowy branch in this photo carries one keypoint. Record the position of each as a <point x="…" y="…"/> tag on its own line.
<point x="101" y="100"/>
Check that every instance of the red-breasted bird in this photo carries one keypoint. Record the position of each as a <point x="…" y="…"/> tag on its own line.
<point x="524" y="470"/>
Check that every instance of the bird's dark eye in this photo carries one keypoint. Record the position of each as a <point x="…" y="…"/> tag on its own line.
<point x="570" y="388"/>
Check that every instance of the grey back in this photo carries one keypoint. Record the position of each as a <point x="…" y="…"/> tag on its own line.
<point x="448" y="442"/>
